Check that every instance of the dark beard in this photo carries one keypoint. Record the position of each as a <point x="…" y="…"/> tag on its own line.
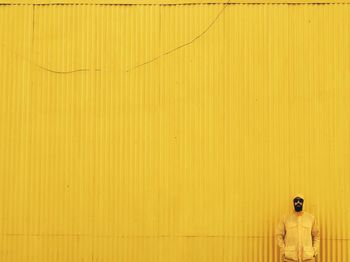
<point x="298" y="208"/>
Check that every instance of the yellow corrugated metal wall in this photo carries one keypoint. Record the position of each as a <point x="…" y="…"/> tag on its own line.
<point x="162" y="132"/>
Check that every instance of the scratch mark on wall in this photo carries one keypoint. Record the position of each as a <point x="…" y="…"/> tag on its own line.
<point x="46" y="68"/>
<point x="185" y="44"/>
<point x="66" y="72"/>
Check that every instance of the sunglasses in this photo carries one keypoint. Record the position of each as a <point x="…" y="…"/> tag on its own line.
<point x="298" y="200"/>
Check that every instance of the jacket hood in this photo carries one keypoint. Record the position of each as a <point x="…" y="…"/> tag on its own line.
<point x="298" y="195"/>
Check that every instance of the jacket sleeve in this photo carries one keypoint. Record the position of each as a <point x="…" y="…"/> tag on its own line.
<point x="315" y="236"/>
<point x="280" y="232"/>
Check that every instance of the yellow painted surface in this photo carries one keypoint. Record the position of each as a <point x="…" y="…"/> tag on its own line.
<point x="171" y="133"/>
<point x="169" y="2"/>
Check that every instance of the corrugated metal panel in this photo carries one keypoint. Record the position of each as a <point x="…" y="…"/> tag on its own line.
<point x="171" y="133"/>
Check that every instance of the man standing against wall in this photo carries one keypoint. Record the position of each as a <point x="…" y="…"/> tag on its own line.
<point x="298" y="235"/>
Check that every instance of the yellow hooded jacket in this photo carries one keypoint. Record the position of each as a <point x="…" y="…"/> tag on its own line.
<point x="298" y="236"/>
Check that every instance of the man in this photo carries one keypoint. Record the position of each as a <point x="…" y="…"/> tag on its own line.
<point x="298" y="235"/>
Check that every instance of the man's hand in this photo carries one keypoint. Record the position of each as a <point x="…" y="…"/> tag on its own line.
<point x="315" y="232"/>
<point x="282" y="253"/>
<point x="280" y="232"/>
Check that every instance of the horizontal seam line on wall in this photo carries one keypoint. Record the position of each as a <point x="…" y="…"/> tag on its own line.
<point x="174" y="4"/>
<point x="152" y="236"/>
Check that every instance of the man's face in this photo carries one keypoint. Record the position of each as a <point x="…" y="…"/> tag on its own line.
<point x="298" y="204"/>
